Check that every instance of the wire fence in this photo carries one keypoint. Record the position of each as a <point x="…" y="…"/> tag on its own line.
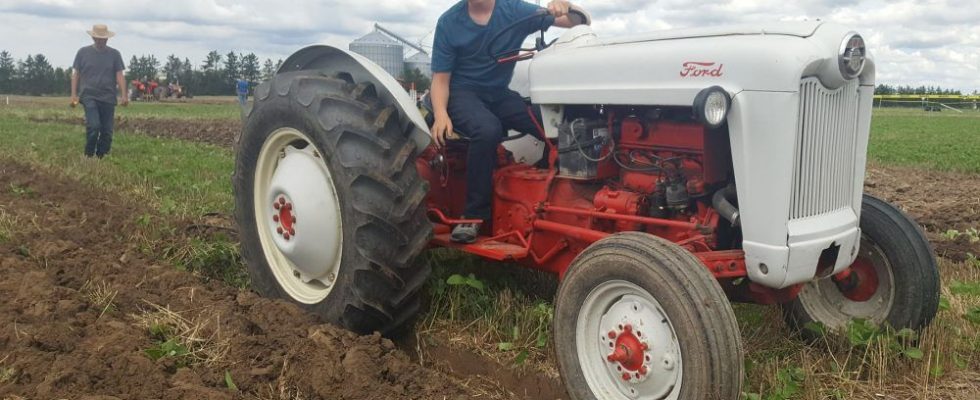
<point x="931" y="104"/>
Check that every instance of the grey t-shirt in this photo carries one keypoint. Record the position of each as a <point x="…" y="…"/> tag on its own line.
<point x="97" y="73"/>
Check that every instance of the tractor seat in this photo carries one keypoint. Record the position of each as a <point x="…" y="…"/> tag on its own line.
<point x="430" y="119"/>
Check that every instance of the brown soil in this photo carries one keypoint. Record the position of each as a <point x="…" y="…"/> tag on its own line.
<point x="939" y="201"/>
<point x="56" y="341"/>
<point x="218" y="132"/>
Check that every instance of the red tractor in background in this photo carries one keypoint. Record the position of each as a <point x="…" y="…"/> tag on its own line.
<point x="146" y="90"/>
<point x="683" y="170"/>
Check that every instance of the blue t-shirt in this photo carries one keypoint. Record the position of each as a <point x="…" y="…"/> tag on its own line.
<point x="460" y="44"/>
<point x="242" y="86"/>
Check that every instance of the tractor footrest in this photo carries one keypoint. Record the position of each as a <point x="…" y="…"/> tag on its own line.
<point x="484" y="247"/>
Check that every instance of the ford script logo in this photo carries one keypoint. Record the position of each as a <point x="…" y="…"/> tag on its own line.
<point x="695" y="69"/>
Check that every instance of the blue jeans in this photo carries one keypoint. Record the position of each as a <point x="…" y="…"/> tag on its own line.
<point x="484" y="117"/>
<point x="98" y="127"/>
<point x="242" y="99"/>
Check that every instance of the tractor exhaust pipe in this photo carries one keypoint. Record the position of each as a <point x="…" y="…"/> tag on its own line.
<point x="724" y="206"/>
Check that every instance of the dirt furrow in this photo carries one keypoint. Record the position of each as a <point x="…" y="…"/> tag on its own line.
<point x="85" y="313"/>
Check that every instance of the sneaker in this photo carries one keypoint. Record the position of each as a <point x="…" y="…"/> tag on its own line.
<point x="465" y="233"/>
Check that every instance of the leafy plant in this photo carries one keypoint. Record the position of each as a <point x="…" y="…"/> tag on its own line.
<point x="470" y="280"/>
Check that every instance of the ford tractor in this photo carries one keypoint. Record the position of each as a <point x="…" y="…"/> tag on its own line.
<point x="673" y="173"/>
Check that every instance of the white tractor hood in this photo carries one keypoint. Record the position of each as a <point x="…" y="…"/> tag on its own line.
<point x="669" y="68"/>
<point x="800" y="29"/>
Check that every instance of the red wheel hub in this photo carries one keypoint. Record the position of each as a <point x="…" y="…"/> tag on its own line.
<point x="629" y="352"/>
<point x="284" y="217"/>
<point x="859" y="282"/>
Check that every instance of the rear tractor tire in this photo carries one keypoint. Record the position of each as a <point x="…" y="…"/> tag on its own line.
<point x="639" y="317"/>
<point x="894" y="281"/>
<point x="328" y="202"/>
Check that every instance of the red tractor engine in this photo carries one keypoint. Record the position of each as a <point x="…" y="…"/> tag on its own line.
<point x="618" y="169"/>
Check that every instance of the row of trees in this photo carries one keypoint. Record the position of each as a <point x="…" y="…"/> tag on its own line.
<point x="35" y="75"/>
<point x="888" y="89"/>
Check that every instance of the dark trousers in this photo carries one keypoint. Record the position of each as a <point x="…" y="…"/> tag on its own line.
<point x="484" y="117"/>
<point x="98" y="126"/>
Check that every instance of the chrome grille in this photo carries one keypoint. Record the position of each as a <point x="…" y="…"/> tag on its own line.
<point x="823" y="175"/>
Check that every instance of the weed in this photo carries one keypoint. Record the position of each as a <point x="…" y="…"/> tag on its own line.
<point x="971" y="234"/>
<point x="217" y="258"/>
<point x="184" y="340"/>
<point x="7" y="375"/>
<point x="7" y="224"/>
<point x="229" y="382"/>
<point x="21" y="190"/>
<point x="100" y="295"/>
<point x="965" y="288"/>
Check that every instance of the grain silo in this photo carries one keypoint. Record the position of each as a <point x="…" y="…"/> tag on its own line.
<point x="421" y="61"/>
<point x="383" y="50"/>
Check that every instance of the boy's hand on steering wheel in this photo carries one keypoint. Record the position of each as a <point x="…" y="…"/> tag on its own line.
<point x="559" y="8"/>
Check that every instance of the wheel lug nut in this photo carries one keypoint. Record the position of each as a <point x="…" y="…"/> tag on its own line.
<point x="279" y="230"/>
<point x="292" y="231"/>
<point x="285" y="235"/>
<point x="643" y="370"/>
<point x="275" y="205"/>
<point x="626" y="376"/>
<point x="282" y="200"/>
<point x="612" y="334"/>
<point x="294" y="219"/>
<point x="275" y="218"/>
<point x="627" y="328"/>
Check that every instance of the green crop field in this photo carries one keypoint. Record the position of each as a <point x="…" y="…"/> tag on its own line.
<point x="495" y="311"/>
<point x="941" y="140"/>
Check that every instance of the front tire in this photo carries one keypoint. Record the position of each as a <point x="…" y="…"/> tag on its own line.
<point x="638" y="317"/>
<point x="893" y="281"/>
<point x="328" y="201"/>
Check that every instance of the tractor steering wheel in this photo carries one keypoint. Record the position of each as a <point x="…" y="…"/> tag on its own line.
<point x="540" y="43"/>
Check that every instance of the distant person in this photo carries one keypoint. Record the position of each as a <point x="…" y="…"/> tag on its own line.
<point x="99" y="70"/>
<point x="242" y="89"/>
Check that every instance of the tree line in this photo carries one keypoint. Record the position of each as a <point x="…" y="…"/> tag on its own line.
<point x="925" y="90"/>
<point x="216" y="75"/>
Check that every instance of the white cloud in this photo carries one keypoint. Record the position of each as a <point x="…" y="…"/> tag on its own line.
<point x="935" y="42"/>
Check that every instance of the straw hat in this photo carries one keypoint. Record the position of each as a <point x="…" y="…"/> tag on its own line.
<point x="100" y="31"/>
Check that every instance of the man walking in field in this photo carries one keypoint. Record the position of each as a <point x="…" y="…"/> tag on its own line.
<point x="241" y="87"/>
<point x="99" y="70"/>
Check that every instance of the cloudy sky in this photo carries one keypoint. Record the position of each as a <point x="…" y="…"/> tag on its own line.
<point x="925" y="42"/>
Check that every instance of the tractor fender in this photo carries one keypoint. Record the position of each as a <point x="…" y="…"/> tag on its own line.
<point x="334" y="60"/>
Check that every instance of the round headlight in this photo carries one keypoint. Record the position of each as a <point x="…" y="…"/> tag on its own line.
<point x="852" y="55"/>
<point x="711" y="106"/>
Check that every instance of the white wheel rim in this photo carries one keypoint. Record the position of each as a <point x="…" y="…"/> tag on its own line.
<point x="297" y="213"/>
<point x="611" y="312"/>
<point x="824" y="302"/>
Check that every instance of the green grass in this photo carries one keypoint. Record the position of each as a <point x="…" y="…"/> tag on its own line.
<point x="174" y="177"/>
<point x="176" y="180"/>
<point x="947" y="141"/>
<point x="219" y="108"/>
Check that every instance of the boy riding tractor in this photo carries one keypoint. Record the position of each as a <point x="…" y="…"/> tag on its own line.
<point x="683" y="169"/>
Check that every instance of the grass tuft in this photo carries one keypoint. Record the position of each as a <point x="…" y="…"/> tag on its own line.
<point x="185" y="341"/>
<point x="100" y="295"/>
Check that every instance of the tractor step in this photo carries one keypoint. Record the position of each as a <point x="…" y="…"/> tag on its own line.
<point x="484" y="247"/>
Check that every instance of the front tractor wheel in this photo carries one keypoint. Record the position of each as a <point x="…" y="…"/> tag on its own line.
<point x="328" y="201"/>
<point x="640" y="318"/>
<point x="894" y="280"/>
